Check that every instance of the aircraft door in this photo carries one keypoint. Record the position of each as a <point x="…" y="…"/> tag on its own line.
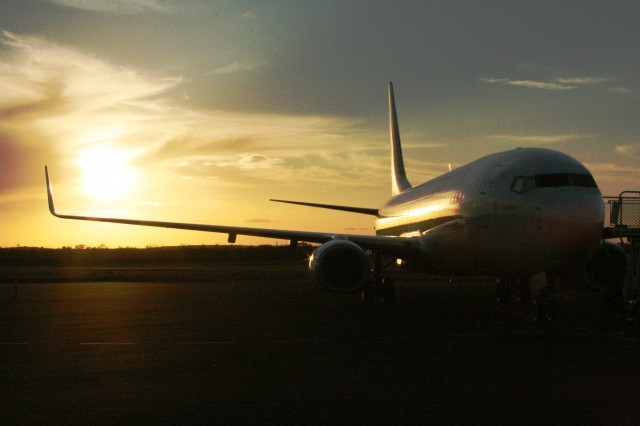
<point x="486" y="202"/>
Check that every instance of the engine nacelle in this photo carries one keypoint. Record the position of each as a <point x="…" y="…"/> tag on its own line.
<point x="339" y="266"/>
<point x="607" y="267"/>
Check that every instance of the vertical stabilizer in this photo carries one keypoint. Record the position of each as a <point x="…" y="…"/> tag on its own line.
<point x="399" y="182"/>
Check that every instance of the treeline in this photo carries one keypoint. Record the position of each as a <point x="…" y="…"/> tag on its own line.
<point x="82" y="256"/>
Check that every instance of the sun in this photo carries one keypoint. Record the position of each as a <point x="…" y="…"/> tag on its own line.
<point x="106" y="172"/>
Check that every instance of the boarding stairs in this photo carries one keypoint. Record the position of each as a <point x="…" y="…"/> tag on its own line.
<point x="622" y="221"/>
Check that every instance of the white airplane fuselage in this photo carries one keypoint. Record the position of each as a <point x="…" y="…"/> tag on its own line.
<point x="516" y="212"/>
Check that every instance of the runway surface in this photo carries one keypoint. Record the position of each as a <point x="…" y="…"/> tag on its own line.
<point x="272" y="351"/>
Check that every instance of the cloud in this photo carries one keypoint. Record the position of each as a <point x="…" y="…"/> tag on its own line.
<point x="58" y="101"/>
<point x="237" y="67"/>
<point x="622" y="90"/>
<point x="529" y="84"/>
<point x="194" y="164"/>
<point x="249" y="15"/>
<point x="117" y="6"/>
<point x="248" y="162"/>
<point x="581" y="81"/>
<point x="63" y="101"/>
<point x="555" y="84"/>
<point x="35" y="71"/>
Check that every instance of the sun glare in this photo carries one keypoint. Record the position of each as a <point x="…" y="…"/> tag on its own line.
<point x="106" y="173"/>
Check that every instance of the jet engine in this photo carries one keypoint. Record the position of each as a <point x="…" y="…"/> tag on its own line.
<point x="339" y="266"/>
<point x="607" y="266"/>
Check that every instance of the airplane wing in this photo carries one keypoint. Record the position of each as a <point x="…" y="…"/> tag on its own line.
<point x="387" y="244"/>
<point x="361" y="210"/>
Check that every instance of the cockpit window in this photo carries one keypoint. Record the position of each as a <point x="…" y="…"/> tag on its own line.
<point x="553" y="180"/>
<point x="522" y="184"/>
<point x="585" y="180"/>
<point x="565" y="179"/>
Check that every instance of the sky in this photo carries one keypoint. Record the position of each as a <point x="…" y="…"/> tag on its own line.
<point x="201" y="111"/>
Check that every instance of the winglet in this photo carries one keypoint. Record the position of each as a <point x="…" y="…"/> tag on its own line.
<point x="399" y="182"/>
<point x="52" y="208"/>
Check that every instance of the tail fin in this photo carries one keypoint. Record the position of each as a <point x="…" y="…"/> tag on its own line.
<point x="399" y="182"/>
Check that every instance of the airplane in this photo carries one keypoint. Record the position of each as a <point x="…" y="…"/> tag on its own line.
<point x="513" y="215"/>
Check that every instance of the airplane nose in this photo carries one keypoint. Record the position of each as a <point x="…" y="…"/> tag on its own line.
<point x="576" y="218"/>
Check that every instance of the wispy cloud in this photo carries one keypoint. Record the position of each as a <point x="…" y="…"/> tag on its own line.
<point x="237" y="67"/>
<point x="622" y="90"/>
<point x="248" y="161"/>
<point x="530" y="84"/>
<point x="35" y="70"/>
<point x="59" y="103"/>
<point x="556" y="83"/>
<point x="117" y="6"/>
<point x="580" y="81"/>
<point x="56" y="100"/>
<point x="68" y="101"/>
<point x="249" y="15"/>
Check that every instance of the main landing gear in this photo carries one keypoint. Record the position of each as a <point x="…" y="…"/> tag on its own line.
<point x="378" y="286"/>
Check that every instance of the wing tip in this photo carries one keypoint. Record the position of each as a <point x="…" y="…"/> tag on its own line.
<point x="52" y="208"/>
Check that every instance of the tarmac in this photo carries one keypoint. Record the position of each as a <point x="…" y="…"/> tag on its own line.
<point x="261" y="350"/>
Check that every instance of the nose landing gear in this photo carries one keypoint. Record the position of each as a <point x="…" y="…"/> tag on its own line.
<point x="379" y="286"/>
<point x="545" y="300"/>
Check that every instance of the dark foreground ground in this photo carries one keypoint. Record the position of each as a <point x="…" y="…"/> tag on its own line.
<point x="264" y="347"/>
